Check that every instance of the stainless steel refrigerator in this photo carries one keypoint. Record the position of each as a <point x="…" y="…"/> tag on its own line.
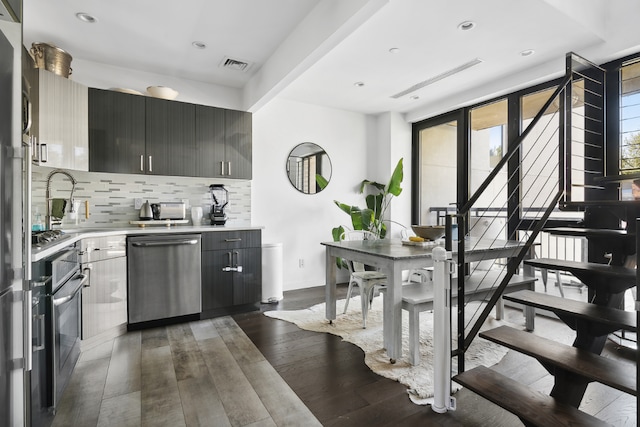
<point x="15" y="300"/>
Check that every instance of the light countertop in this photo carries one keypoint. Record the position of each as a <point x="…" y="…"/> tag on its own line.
<point x="76" y="234"/>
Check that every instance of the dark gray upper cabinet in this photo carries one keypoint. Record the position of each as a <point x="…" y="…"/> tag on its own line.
<point x="223" y="141"/>
<point x="136" y="134"/>
<point x="116" y="132"/>
<point x="238" y="141"/>
<point x="210" y="141"/>
<point x="170" y="137"/>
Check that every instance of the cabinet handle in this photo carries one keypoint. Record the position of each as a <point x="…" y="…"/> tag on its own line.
<point x="38" y="341"/>
<point x="35" y="149"/>
<point x="87" y="270"/>
<point x="44" y="153"/>
<point x="237" y="239"/>
<point x="231" y="266"/>
<point x="228" y="168"/>
<point x="150" y="164"/>
<point x="26" y="106"/>
<point x="27" y="322"/>
<point x="141" y="162"/>
<point x="221" y="168"/>
<point x="236" y="266"/>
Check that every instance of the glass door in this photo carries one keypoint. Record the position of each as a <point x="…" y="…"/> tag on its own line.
<point x="436" y="146"/>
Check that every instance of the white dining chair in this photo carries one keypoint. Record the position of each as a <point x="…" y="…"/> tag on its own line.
<point x="367" y="281"/>
<point x="424" y="275"/>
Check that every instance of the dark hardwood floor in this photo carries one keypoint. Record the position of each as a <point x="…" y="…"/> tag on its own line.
<point x="332" y="380"/>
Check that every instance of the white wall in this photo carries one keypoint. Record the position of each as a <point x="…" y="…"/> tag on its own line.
<point x="301" y="221"/>
<point x="103" y="76"/>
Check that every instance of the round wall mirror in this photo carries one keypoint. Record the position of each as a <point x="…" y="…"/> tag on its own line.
<point x="309" y="168"/>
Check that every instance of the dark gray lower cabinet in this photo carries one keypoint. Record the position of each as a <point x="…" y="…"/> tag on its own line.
<point x="231" y="272"/>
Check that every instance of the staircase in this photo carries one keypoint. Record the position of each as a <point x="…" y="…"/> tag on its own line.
<point x="575" y="151"/>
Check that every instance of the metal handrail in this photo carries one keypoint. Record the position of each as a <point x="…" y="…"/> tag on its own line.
<point x="555" y="182"/>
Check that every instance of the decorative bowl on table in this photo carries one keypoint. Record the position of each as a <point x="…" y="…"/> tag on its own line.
<point x="429" y="232"/>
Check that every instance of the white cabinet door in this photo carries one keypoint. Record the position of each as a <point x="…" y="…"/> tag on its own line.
<point x="104" y="302"/>
<point x="61" y="122"/>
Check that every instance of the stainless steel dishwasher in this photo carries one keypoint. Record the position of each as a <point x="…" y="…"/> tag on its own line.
<point x="164" y="279"/>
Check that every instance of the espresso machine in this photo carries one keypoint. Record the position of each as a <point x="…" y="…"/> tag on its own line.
<point x="220" y="197"/>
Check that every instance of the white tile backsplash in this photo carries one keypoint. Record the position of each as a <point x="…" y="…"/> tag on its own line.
<point x="112" y="197"/>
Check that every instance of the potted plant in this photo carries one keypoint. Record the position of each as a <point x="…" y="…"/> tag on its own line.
<point x="372" y="217"/>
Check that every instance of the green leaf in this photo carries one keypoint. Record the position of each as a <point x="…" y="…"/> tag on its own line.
<point x="396" y="179"/>
<point x="337" y="232"/>
<point x="374" y="184"/>
<point x="374" y="203"/>
<point x="346" y="208"/>
<point x="383" y="230"/>
<point x="357" y="220"/>
<point x="367" y="219"/>
<point x="321" y="181"/>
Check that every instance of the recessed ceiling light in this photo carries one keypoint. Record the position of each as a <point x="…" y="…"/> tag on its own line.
<point x="358" y="84"/>
<point x="85" y="17"/>
<point x="199" y="45"/>
<point x="466" y="25"/>
<point x="527" y="52"/>
<point x="414" y="97"/>
<point x="394" y="50"/>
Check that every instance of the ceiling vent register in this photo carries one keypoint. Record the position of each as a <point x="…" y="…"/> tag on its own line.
<point x="235" y="64"/>
<point x="437" y="78"/>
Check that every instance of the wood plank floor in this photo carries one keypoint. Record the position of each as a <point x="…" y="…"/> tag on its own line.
<point x="332" y="380"/>
<point x="205" y="373"/>
<point x="251" y="370"/>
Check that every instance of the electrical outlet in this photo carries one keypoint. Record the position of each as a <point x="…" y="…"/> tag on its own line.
<point x="186" y="203"/>
<point x="301" y="263"/>
<point x="138" y="203"/>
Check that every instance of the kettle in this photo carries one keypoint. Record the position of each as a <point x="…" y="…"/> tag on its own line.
<point x="145" y="211"/>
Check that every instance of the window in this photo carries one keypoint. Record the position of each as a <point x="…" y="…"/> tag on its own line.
<point x="630" y="118"/>
<point x="438" y="143"/>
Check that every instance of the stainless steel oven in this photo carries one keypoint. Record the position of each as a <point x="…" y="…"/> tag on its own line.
<point x="65" y="305"/>
<point x="59" y="291"/>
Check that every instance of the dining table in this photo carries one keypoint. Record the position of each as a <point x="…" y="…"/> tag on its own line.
<point x="392" y="257"/>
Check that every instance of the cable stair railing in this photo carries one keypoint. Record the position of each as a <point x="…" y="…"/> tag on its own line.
<point x="556" y="165"/>
<point x="536" y="176"/>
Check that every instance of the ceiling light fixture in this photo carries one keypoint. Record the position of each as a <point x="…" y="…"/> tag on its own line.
<point x="199" y="45"/>
<point x="527" y="52"/>
<point x="394" y="50"/>
<point x="414" y="97"/>
<point x="358" y="84"/>
<point x="85" y="17"/>
<point x="466" y="25"/>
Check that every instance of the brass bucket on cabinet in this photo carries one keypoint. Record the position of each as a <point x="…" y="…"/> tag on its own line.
<point x="51" y="58"/>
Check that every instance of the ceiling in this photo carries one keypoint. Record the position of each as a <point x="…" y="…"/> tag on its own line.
<point x="314" y="51"/>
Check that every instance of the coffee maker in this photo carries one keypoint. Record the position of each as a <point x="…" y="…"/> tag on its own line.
<point x="220" y="197"/>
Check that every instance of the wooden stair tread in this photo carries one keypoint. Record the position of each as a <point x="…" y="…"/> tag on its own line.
<point x="589" y="365"/>
<point x="617" y="178"/>
<point x="577" y="266"/>
<point x="585" y="203"/>
<point x="587" y="232"/>
<point x="620" y="319"/>
<point x="529" y="405"/>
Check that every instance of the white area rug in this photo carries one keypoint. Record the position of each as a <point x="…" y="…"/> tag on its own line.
<point x="419" y="378"/>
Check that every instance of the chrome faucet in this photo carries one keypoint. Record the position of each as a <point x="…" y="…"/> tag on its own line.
<point x="49" y="219"/>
